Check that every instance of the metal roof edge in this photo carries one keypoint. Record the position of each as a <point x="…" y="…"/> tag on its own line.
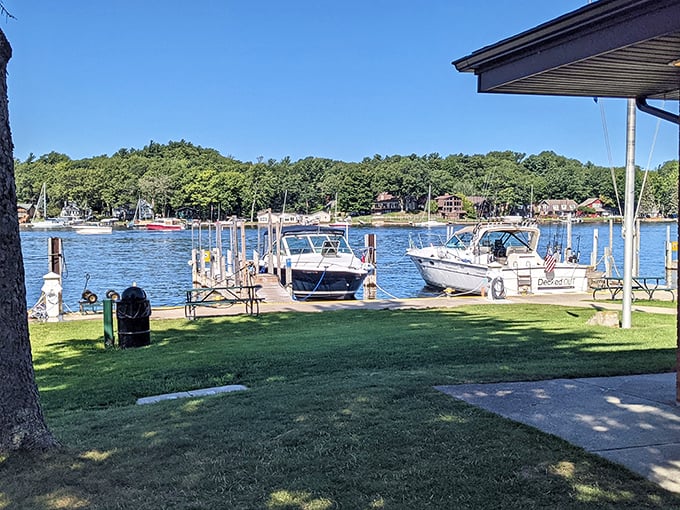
<point x="604" y="12"/>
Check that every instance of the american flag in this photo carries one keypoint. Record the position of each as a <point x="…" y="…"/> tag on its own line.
<point x="550" y="261"/>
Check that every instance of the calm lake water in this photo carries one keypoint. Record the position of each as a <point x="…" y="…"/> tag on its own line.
<point x="159" y="261"/>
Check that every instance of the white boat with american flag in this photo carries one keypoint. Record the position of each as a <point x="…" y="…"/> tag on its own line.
<point x="499" y="258"/>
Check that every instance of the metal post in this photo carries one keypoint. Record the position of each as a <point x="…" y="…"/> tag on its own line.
<point x="108" y="323"/>
<point x="567" y="250"/>
<point x="235" y="254"/>
<point x="629" y="218"/>
<point x="54" y="255"/>
<point x="607" y="261"/>
<point x="677" y="327"/>
<point x="671" y="281"/>
<point x="270" y="248"/>
<point x="593" y="254"/>
<point x="636" y="253"/>
<point x="371" y="281"/>
<point x="244" y="253"/>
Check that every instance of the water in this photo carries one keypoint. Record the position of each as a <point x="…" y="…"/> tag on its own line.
<point x="158" y="261"/>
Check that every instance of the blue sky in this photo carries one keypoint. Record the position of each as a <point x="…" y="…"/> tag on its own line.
<point x="343" y="80"/>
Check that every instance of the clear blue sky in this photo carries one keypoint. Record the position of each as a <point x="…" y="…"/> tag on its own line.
<point x="271" y="78"/>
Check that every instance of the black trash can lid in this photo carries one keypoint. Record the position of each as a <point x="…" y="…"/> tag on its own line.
<point x="133" y="293"/>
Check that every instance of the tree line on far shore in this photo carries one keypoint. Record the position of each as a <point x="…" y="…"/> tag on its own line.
<point x="182" y="175"/>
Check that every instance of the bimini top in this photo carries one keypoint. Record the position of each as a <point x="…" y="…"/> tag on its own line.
<point x="310" y="229"/>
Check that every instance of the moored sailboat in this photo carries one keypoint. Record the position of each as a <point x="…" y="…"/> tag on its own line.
<point x="430" y="222"/>
<point x="41" y="208"/>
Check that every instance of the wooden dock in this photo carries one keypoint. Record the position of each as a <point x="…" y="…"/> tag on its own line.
<point x="271" y="290"/>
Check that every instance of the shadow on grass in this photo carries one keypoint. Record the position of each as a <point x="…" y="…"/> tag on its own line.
<point x="341" y="413"/>
<point x="379" y="441"/>
<point x="473" y="344"/>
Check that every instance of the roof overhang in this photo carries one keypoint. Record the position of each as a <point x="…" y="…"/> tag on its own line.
<point x="610" y="48"/>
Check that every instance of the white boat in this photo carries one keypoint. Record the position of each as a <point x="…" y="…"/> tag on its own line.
<point x="430" y="222"/>
<point x="322" y="264"/>
<point x="498" y="258"/>
<point x="41" y="206"/>
<point x="49" y="223"/>
<point x="92" y="228"/>
<point x="341" y="224"/>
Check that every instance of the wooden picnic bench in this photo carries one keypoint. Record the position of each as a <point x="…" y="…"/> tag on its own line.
<point x="647" y="284"/>
<point x="222" y="297"/>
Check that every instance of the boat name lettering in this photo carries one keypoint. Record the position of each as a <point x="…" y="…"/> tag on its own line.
<point x="556" y="282"/>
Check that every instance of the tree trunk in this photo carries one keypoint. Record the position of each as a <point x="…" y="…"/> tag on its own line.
<point x="22" y="424"/>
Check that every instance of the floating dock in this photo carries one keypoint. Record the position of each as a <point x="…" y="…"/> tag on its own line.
<point x="270" y="289"/>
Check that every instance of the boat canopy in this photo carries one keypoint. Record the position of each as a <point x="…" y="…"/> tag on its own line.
<point x="495" y="234"/>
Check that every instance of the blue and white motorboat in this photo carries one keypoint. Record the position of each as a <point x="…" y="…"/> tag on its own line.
<point x="321" y="262"/>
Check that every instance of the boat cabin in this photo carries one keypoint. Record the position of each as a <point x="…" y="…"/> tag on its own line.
<point x="496" y="238"/>
<point x="327" y="242"/>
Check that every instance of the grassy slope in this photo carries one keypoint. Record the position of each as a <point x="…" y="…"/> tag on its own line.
<point x="341" y="413"/>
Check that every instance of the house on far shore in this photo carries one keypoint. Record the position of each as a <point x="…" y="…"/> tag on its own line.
<point x="592" y="207"/>
<point x="556" y="208"/>
<point x="482" y="206"/>
<point x="450" y="207"/>
<point x="386" y="203"/>
<point x="266" y="217"/>
<point x="71" y="213"/>
<point x="316" y="218"/>
<point x="25" y="212"/>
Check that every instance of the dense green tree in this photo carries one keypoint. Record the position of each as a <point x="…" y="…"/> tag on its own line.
<point x="179" y="174"/>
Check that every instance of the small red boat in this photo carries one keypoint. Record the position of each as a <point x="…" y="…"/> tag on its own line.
<point x="166" y="224"/>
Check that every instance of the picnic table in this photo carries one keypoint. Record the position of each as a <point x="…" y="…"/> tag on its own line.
<point x="647" y="284"/>
<point x="222" y="297"/>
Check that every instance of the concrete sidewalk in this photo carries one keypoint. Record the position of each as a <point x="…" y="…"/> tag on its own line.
<point x="577" y="299"/>
<point x="583" y="300"/>
<point x="631" y="420"/>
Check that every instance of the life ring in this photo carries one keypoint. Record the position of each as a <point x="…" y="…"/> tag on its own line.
<point x="497" y="288"/>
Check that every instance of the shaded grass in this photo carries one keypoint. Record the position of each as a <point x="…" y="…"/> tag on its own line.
<point x="341" y="413"/>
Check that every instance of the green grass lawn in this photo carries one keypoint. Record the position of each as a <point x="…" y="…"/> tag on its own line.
<point x="340" y="413"/>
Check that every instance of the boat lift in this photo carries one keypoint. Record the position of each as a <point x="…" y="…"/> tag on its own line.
<point x="211" y="266"/>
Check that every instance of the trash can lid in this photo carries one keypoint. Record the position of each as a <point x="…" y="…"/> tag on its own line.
<point x="133" y="293"/>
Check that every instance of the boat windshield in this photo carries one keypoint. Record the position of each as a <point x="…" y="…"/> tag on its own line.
<point x="298" y="244"/>
<point x="324" y="244"/>
<point x="328" y="245"/>
<point x="459" y="240"/>
<point x="515" y="238"/>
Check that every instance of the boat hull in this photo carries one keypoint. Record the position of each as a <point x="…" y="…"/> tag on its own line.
<point x="318" y="262"/>
<point x="445" y="273"/>
<point x="319" y="284"/>
<point x="47" y="224"/>
<point x="459" y="277"/>
<point x="165" y="228"/>
<point x="93" y="229"/>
